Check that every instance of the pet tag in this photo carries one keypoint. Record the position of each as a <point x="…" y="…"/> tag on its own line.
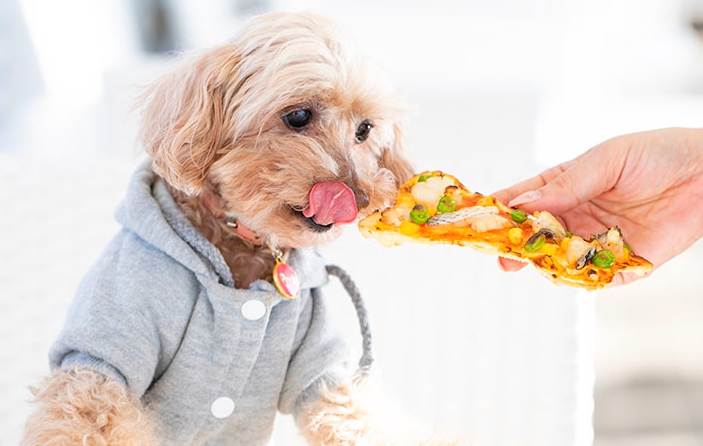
<point x="286" y="280"/>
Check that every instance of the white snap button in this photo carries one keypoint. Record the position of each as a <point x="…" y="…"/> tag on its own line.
<point x="222" y="407"/>
<point x="253" y="310"/>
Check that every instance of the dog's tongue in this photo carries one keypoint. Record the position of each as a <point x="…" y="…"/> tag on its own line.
<point x="331" y="202"/>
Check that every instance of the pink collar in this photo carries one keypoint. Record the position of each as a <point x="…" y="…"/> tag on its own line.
<point x="241" y="231"/>
<point x="284" y="277"/>
<point x="212" y="202"/>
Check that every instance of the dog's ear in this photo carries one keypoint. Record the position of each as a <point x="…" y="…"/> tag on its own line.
<point x="395" y="159"/>
<point x="183" y="128"/>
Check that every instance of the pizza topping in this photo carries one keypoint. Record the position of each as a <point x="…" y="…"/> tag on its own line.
<point x="612" y="240"/>
<point x="515" y="235"/>
<point x="611" y="236"/>
<point x="518" y="215"/>
<point x="578" y="252"/>
<point x="419" y="214"/>
<point x="545" y="220"/>
<point x="446" y="204"/>
<point x="408" y="228"/>
<point x="587" y="257"/>
<point x="536" y="242"/>
<point x="603" y="259"/>
<point x="429" y="192"/>
<point x="395" y="215"/>
<point x="462" y="214"/>
<point x="490" y="222"/>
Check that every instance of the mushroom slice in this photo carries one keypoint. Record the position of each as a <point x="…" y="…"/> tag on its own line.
<point x="584" y="259"/>
<point x="612" y="240"/>
<point x="579" y="252"/>
<point x="545" y="220"/>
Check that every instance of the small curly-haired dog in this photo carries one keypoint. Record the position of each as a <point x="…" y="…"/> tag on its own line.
<point x="259" y="150"/>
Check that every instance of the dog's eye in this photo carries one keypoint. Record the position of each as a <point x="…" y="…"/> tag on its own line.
<point x="362" y="132"/>
<point x="297" y="119"/>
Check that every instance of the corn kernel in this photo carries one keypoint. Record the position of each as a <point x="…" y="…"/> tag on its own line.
<point x="409" y="228"/>
<point x="405" y="201"/>
<point x="515" y="235"/>
<point x="565" y="244"/>
<point x="485" y="201"/>
<point x="549" y="249"/>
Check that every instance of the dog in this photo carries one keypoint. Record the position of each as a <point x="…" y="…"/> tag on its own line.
<point x="204" y="317"/>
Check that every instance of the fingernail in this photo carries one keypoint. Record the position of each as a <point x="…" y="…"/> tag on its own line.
<point x="526" y="197"/>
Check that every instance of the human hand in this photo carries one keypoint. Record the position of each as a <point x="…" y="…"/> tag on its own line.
<point x="650" y="184"/>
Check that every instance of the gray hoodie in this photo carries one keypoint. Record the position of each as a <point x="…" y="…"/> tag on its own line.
<point x="159" y="312"/>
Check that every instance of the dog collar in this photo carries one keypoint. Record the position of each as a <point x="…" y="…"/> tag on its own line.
<point x="242" y="231"/>
<point x="284" y="276"/>
<point x="211" y="201"/>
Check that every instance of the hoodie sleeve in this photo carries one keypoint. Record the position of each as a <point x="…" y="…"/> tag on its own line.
<point x="321" y="357"/>
<point x="130" y="278"/>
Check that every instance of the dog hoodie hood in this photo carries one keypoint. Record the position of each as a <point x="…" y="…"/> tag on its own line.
<point x="158" y="312"/>
<point x="168" y="230"/>
<point x="171" y="232"/>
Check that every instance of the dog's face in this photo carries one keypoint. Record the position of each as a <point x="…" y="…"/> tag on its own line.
<point x="293" y="135"/>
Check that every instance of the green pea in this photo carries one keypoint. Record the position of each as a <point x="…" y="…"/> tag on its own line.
<point x="518" y="215"/>
<point x="423" y="178"/>
<point x="419" y="214"/>
<point x="534" y="244"/>
<point x="446" y="204"/>
<point x="603" y="259"/>
<point x="568" y="234"/>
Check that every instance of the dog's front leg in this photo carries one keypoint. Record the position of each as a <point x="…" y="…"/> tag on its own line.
<point x="82" y="407"/>
<point x="354" y="415"/>
<point x="336" y="419"/>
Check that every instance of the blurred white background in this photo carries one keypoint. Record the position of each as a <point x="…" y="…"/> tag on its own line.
<point x="502" y="89"/>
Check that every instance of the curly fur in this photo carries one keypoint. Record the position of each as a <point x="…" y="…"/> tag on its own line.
<point x="215" y="123"/>
<point x="86" y="408"/>
<point x="357" y="414"/>
<point x="215" y="131"/>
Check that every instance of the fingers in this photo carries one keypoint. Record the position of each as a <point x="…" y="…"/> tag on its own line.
<point x="561" y="193"/>
<point x="528" y="189"/>
<point x="568" y="185"/>
<point x="510" y="265"/>
<point x="508" y="194"/>
<point x="623" y="278"/>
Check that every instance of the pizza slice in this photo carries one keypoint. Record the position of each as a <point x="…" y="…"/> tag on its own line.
<point x="434" y="207"/>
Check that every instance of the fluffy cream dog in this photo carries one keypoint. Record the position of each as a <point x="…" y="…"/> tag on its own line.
<point x="260" y="150"/>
